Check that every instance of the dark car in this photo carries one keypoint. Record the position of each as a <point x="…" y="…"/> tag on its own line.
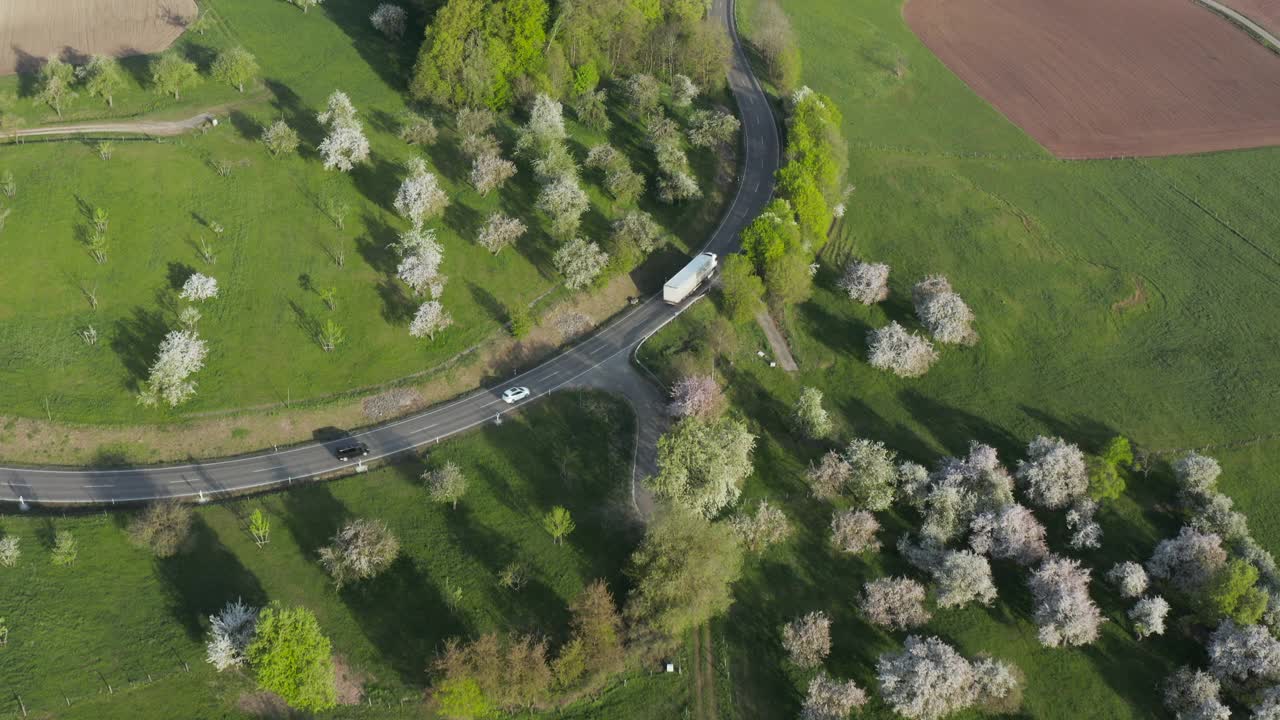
<point x="351" y="450"/>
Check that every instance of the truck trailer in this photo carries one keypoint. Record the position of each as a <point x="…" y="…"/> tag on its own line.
<point x="689" y="278"/>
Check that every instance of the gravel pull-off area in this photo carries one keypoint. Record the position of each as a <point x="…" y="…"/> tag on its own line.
<point x="1098" y="78"/>
<point x="31" y="30"/>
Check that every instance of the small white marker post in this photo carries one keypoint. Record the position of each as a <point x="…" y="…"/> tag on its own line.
<point x="361" y="467"/>
<point x="22" y="504"/>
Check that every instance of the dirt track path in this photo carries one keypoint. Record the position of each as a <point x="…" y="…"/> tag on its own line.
<point x="777" y="342"/>
<point x="134" y="127"/>
<point x="1237" y="17"/>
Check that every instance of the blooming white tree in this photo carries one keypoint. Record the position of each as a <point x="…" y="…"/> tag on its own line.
<point x="1244" y="656"/>
<point x="580" y="262"/>
<point x="896" y="603"/>
<point x="683" y="91"/>
<point x="430" y="319"/>
<point x="913" y="483"/>
<point x="711" y="128"/>
<point x="810" y="418"/>
<point x="638" y="229"/>
<point x="198" y="288"/>
<point x="807" y="639"/>
<point x="390" y="20"/>
<point x="181" y="355"/>
<point x="499" y="231"/>
<point x="360" y="550"/>
<point x="344" y="147"/>
<point x="927" y="680"/>
<point x="230" y="632"/>
<point x="1197" y="474"/>
<point x="1194" y="695"/>
<point x="1147" y="616"/>
<point x="946" y="316"/>
<point x="964" y="577"/>
<point x="946" y="509"/>
<point x="564" y="201"/>
<point x="995" y="680"/>
<point x="446" y="484"/>
<point x="829" y="478"/>
<point x="1084" y="527"/>
<point x="867" y="283"/>
<point x="904" y="354"/>
<point x="768" y="526"/>
<point x="1188" y="560"/>
<point x="854" y="531"/>
<point x="1129" y="578"/>
<point x="1011" y="533"/>
<point x="420" y="197"/>
<point x="678" y="186"/>
<point x="643" y="91"/>
<point x="545" y="125"/>
<point x="490" y="171"/>
<point x="873" y="476"/>
<point x="829" y="699"/>
<point x="338" y="110"/>
<point x="696" y="395"/>
<point x="1214" y="513"/>
<point x="421" y="257"/>
<point x="1054" y="472"/>
<point x="1062" y="606"/>
<point x="1268" y="705"/>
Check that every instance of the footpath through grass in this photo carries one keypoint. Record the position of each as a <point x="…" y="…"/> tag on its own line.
<point x="277" y="252"/>
<point x="118" y="615"/>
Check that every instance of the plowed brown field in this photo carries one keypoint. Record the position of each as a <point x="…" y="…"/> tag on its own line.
<point x="1264" y="12"/>
<point x="31" y="30"/>
<point x="1100" y="78"/>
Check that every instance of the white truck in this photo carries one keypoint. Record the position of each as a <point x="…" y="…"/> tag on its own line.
<point x="689" y="278"/>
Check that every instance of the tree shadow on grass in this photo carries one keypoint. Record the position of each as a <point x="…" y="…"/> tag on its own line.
<point x="296" y="114"/>
<point x="204" y="578"/>
<point x="245" y="126"/>
<point x="391" y="59"/>
<point x="954" y="429"/>
<point x="487" y="302"/>
<point x="378" y="179"/>
<point x="136" y="338"/>
<point x="845" y="336"/>
<point x="313" y="516"/>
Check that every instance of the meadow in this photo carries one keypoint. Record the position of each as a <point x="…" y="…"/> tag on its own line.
<point x="278" y="247"/>
<point x="119" y="616"/>
<point x="1112" y="297"/>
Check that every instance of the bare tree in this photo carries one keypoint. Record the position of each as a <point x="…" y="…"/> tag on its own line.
<point x="697" y="395"/>
<point x="360" y="550"/>
<point x="829" y="478"/>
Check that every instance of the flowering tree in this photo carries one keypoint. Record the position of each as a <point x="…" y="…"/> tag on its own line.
<point x="643" y="92"/>
<point x="913" y="483"/>
<point x="199" y="288"/>
<point x="829" y="477"/>
<point x="360" y="550"/>
<point x="499" y="231"/>
<point x="1193" y="695"/>
<point x="490" y="172"/>
<point x="230" y="632"/>
<point x="1189" y="560"/>
<point x="446" y="484"/>
<point x="828" y="699"/>
<point x="280" y="139"/>
<point x="678" y="186"/>
<point x="1197" y="474"/>
<point x="421" y="257"/>
<point x="638" y="229"/>
<point x="712" y="128"/>
<point x="1244" y="656"/>
<point x="181" y="355"/>
<point x="1147" y="616"/>
<point x="345" y="145"/>
<point x="902" y="353"/>
<point x="564" y="201"/>
<point x="942" y="311"/>
<point x="867" y="283"/>
<point x="768" y="526"/>
<point x="1054" y="472"/>
<point x="546" y="121"/>
<point x="701" y="464"/>
<point x="390" y="20"/>
<point x="854" y="531"/>
<point x="1085" y="530"/>
<point x="1063" y="610"/>
<point x="1011" y="533"/>
<point x="697" y="395"/>
<point x="807" y="639"/>
<point x="1129" y="578"/>
<point x="964" y="577"/>
<point x="1268" y="706"/>
<point x="927" y="680"/>
<point x="896" y="603"/>
<point x="683" y="91"/>
<point x="430" y="319"/>
<point x="872" y="475"/>
<point x="420" y="197"/>
<point x="580" y="262"/>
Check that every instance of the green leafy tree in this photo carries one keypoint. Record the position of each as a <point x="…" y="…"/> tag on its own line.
<point x="259" y="528"/>
<point x="701" y="464"/>
<point x="170" y="73"/>
<point x="787" y="280"/>
<point x="446" y="484"/>
<point x="772" y="235"/>
<point x="682" y="574"/>
<point x="1118" y="452"/>
<point x="1106" y="471"/>
<point x="558" y="523"/>
<point x="811" y="209"/>
<point x="741" y="290"/>
<point x="521" y="320"/>
<point x="64" y="549"/>
<point x="56" y="78"/>
<point x="235" y="66"/>
<point x="102" y="78"/>
<point x="293" y="659"/>
<point x="1232" y="592"/>
<point x="595" y="649"/>
<point x="463" y="699"/>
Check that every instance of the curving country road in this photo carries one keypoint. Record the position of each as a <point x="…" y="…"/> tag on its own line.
<point x="600" y="361"/>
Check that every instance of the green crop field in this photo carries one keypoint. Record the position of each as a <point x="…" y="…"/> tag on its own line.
<point x="1127" y="296"/>
<point x="276" y="252"/>
<point x="123" y="614"/>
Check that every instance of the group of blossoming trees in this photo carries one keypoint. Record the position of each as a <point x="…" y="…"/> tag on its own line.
<point x="421" y="198"/>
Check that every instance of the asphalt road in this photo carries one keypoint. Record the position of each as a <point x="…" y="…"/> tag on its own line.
<point x="600" y="361"/>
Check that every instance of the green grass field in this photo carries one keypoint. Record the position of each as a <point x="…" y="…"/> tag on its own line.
<point x="276" y="251"/>
<point x="121" y="613"/>
<point x="1125" y="296"/>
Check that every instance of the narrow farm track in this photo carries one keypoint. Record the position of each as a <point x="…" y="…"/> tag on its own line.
<point x="599" y="361"/>
<point x="129" y="127"/>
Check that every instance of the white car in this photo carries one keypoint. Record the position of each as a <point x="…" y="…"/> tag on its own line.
<point x="515" y="394"/>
